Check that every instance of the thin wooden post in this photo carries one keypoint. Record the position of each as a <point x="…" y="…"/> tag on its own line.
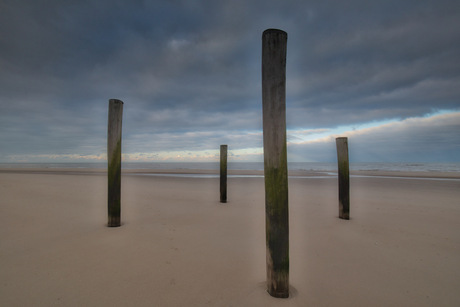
<point x="223" y="173"/>
<point x="114" y="162"/>
<point x="274" y="44"/>
<point x="344" y="177"/>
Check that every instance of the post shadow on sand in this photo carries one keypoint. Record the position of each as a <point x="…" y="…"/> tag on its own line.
<point x="114" y="162"/>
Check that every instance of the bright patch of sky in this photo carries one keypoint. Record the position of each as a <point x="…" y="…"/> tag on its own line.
<point x="301" y="136"/>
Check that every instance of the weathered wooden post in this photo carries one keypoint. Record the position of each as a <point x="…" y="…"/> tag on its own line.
<point x="114" y="162"/>
<point x="274" y="44"/>
<point x="344" y="177"/>
<point x="223" y="173"/>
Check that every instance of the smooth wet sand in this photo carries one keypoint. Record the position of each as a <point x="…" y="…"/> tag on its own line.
<point x="178" y="246"/>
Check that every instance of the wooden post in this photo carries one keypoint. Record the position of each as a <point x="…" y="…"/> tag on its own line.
<point x="223" y="173"/>
<point x="344" y="178"/>
<point x="114" y="162"/>
<point x="274" y="44"/>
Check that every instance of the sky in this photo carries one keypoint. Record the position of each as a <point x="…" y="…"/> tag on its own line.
<point x="385" y="74"/>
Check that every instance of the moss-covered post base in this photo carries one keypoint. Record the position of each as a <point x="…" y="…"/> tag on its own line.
<point x="114" y="162"/>
<point x="274" y="44"/>
<point x="344" y="177"/>
<point x="223" y="173"/>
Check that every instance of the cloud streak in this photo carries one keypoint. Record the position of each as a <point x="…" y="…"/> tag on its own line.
<point x="425" y="139"/>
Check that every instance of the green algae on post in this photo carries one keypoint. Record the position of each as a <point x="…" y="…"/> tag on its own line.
<point x="114" y="162"/>
<point x="344" y="177"/>
<point x="274" y="43"/>
<point x="223" y="173"/>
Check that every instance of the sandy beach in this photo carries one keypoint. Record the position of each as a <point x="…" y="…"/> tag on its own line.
<point x="178" y="246"/>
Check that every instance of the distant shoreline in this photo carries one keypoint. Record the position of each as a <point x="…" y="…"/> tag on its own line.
<point x="257" y="166"/>
<point x="234" y="173"/>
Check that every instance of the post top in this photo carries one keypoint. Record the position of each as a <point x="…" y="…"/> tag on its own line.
<point x="115" y="101"/>
<point x="341" y="138"/>
<point x="269" y="31"/>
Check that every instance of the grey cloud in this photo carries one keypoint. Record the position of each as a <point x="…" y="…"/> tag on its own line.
<point x="194" y="66"/>
<point x="358" y="64"/>
<point x="190" y="141"/>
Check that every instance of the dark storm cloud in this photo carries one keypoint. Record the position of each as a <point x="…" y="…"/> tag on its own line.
<point x="380" y="60"/>
<point x="194" y="66"/>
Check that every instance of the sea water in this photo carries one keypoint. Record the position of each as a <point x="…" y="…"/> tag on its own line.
<point x="305" y="166"/>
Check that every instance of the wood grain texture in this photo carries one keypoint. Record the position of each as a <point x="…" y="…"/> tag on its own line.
<point x="274" y="43"/>
<point x="344" y="177"/>
<point x="223" y="173"/>
<point x="114" y="162"/>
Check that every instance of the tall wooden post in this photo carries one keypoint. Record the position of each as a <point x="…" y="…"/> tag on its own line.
<point x="274" y="44"/>
<point x="114" y="162"/>
<point x="344" y="177"/>
<point x="223" y="173"/>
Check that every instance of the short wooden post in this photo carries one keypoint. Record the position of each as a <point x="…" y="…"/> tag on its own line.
<point x="114" y="162"/>
<point x="223" y="173"/>
<point x="274" y="43"/>
<point x="344" y="177"/>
